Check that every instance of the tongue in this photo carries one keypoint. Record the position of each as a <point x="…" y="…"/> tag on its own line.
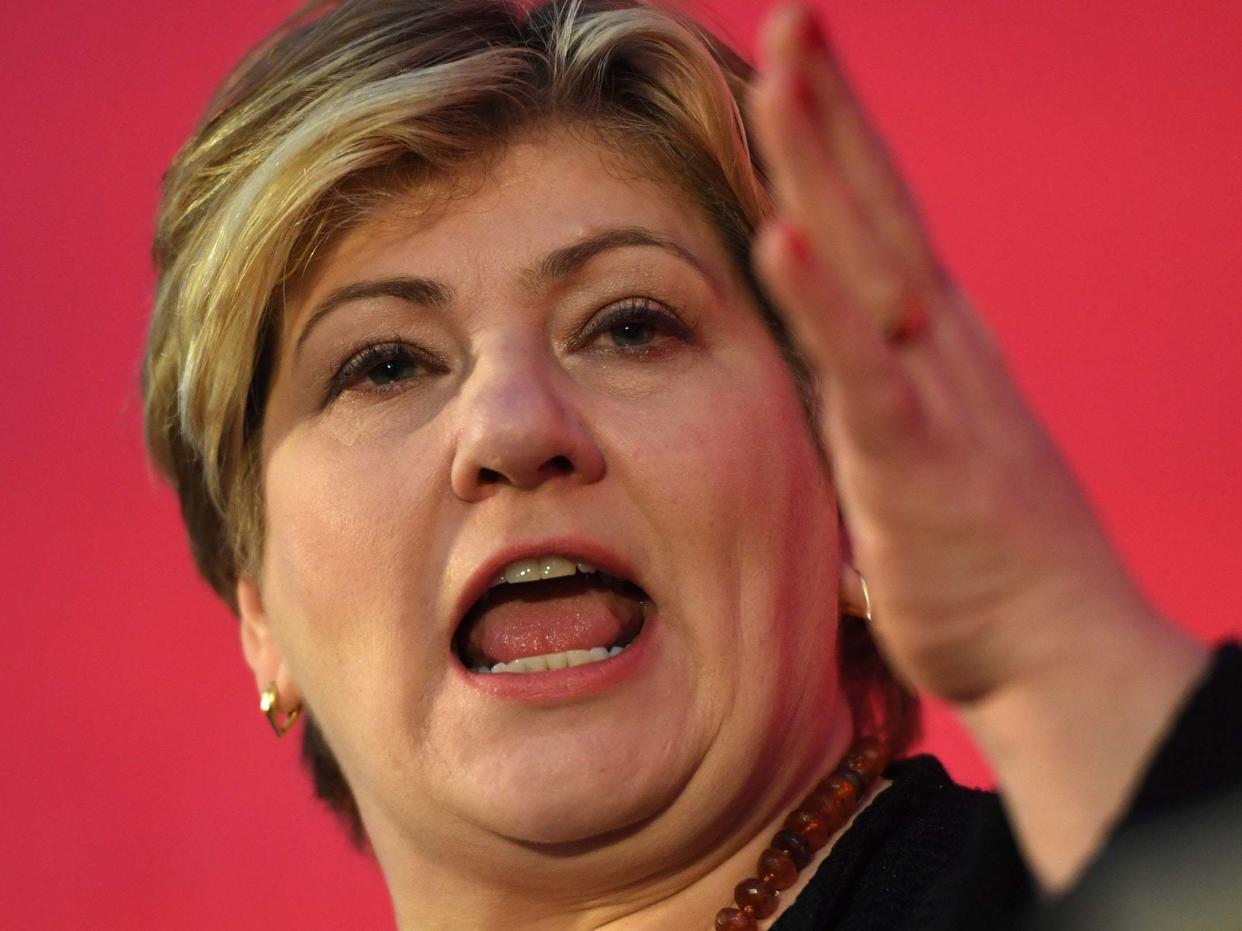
<point x="519" y="623"/>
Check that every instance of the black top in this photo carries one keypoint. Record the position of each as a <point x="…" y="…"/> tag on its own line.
<point x="931" y="855"/>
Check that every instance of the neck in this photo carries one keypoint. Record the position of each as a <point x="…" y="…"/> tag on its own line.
<point x="639" y="882"/>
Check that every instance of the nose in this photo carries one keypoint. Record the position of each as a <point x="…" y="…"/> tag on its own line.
<point x="519" y="429"/>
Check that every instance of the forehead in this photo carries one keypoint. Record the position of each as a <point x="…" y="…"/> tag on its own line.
<point x="489" y="221"/>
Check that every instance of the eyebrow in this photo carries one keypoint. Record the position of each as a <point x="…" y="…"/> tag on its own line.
<point x="557" y="265"/>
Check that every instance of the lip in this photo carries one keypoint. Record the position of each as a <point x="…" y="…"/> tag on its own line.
<point x="579" y="549"/>
<point x="573" y="683"/>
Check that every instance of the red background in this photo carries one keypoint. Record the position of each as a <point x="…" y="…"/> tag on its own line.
<point x="1078" y="163"/>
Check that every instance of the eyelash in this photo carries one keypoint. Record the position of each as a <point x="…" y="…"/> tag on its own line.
<point x="634" y="311"/>
<point x="642" y="311"/>
<point x="374" y="355"/>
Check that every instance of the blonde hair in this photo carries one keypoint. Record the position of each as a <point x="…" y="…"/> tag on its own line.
<point x="350" y="102"/>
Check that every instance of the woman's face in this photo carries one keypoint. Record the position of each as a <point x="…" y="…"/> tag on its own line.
<point x="560" y="361"/>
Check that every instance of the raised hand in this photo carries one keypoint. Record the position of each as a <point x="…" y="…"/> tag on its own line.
<point x="993" y="583"/>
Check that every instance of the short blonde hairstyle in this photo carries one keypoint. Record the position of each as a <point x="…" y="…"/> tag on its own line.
<point x="348" y="103"/>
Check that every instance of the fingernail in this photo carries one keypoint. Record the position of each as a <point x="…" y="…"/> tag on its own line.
<point x="812" y="33"/>
<point x="912" y="322"/>
<point x="803" y="93"/>
<point x="796" y="243"/>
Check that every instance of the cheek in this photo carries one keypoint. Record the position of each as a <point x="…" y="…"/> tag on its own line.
<point x="342" y="523"/>
<point x="741" y="506"/>
<point x="732" y="486"/>
<point x="732" y="458"/>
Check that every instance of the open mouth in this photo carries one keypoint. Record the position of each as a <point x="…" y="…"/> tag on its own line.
<point x="548" y="613"/>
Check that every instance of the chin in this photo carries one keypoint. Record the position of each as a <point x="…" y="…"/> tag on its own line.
<point x="576" y="788"/>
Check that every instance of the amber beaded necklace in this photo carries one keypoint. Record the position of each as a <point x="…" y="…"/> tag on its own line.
<point x="806" y="830"/>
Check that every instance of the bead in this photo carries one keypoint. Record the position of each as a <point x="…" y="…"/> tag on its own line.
<point x="777" y="869"/>
<point x="807" y="828"/>
<point x="795" y="845"/>
<point x="826" y="805"/>
<point x="867" y="758"/>
<point x="755" y="897"/>
<point x="734" y="919"/>
<point x="843" y="789"/>
<point x="853" y="779"/>
<point x="814" y="830"/>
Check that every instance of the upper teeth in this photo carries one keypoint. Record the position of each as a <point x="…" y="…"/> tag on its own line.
<point x="540" y="567"/>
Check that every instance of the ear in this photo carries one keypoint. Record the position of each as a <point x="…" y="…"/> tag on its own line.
<point x="262" y="652"/>
<point x="852" y="598"/>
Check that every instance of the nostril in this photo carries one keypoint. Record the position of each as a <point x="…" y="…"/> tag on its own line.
<point x="557" y="465"/>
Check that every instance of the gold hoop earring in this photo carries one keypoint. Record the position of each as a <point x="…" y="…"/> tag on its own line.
<point x="269" y="704"/>
<point x="866" y="597"/>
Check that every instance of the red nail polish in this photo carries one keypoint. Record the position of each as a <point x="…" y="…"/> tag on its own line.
<point x="813" y="35"/>
<point x="797" y="244"/>
<point x="803" y="93"/>
<point x="912" y="323"/>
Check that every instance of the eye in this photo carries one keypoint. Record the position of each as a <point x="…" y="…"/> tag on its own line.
<point x="382" y="368"/>
<point x="638" y="326"/>
<point x="630" y="335"/>
<point x="391" y="371"/>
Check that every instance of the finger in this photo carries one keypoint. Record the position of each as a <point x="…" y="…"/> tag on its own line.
<point x="866" y="390"/>
<point x="794" y="42"/>
<point x="795" y="38"/>
<point x="810" y="191"/>
<point x="832" y="175"/>
<point x="916" y="305"/>
<point x="862" y="277"/>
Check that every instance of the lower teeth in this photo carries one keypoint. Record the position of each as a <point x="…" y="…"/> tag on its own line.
<point x="553" y="660"/>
